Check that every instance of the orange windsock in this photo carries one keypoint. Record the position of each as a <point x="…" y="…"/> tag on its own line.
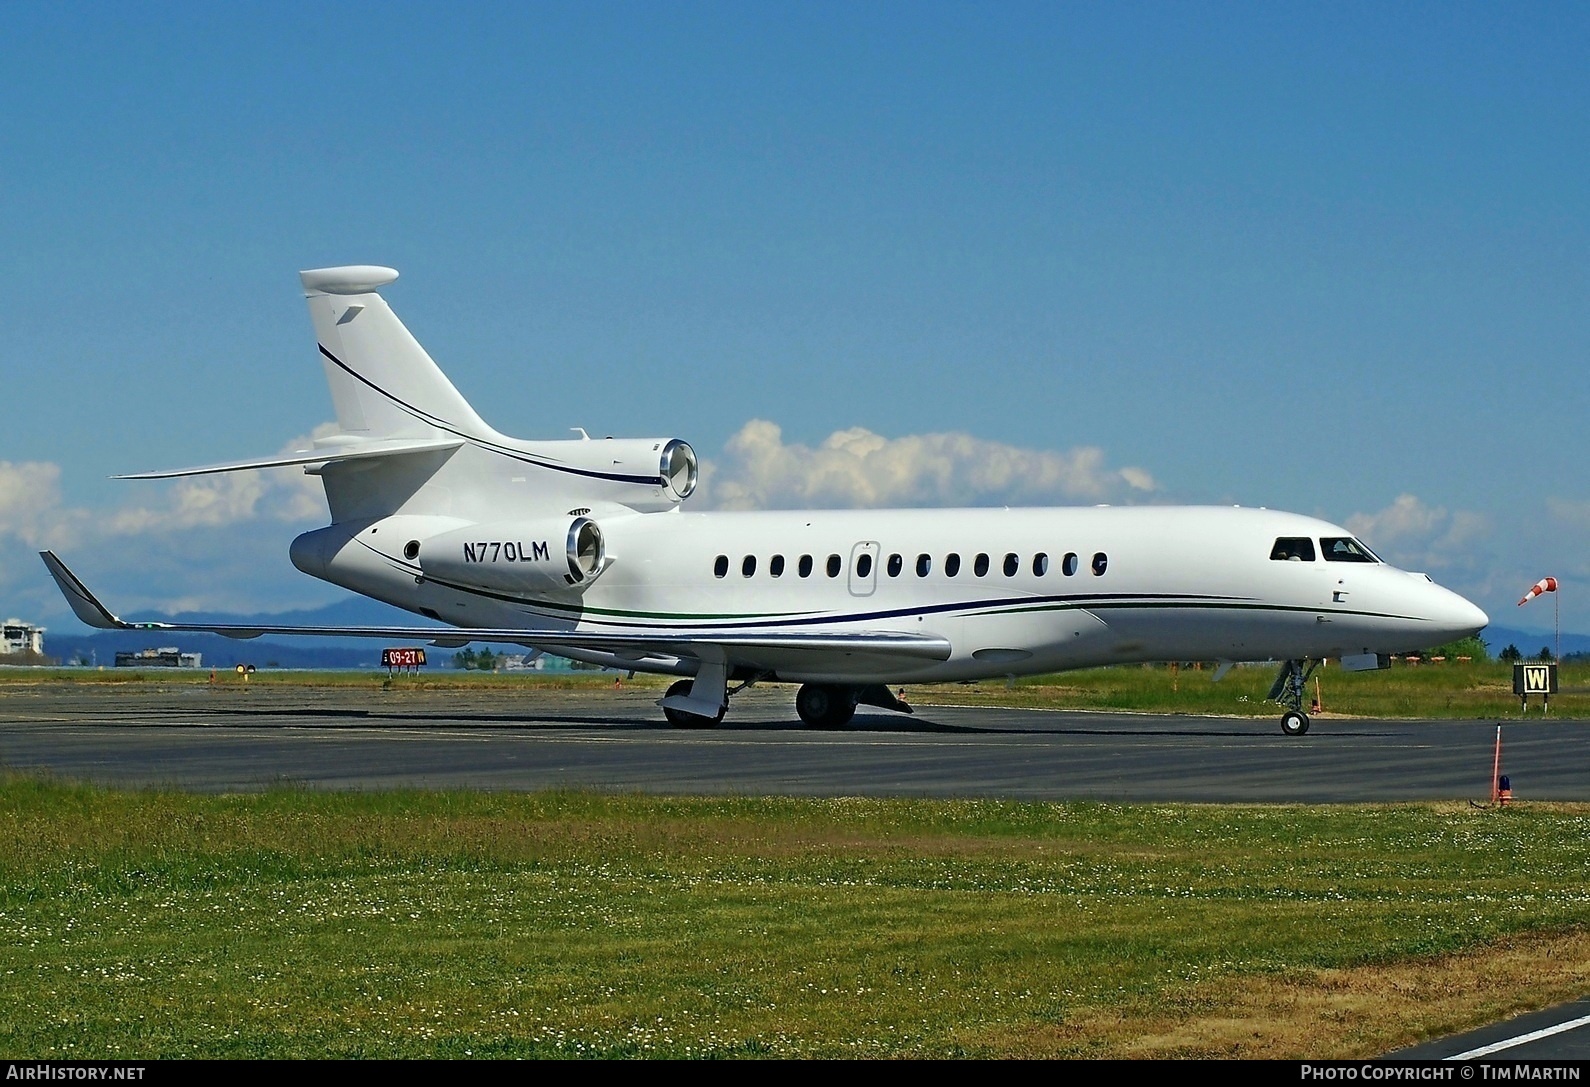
<point x="1544" y="585"/>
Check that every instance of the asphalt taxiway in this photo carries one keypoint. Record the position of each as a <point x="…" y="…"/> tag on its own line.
<point x="229" y="737"/>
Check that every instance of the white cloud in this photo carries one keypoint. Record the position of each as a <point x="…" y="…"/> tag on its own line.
<point x="1417" y="536"/>
<point x="189" y="543"/>
<point x="1570" y="513"/>
<point x="1456" y="547"/>
<point x="275" y="494"/>
<point x="32" y="510"/>
<point x="30" y="499"/>
<point x="857" y="468"/>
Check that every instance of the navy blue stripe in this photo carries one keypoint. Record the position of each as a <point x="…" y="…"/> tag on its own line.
<point x="1099" y="602"/>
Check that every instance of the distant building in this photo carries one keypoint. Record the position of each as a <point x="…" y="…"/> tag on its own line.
<point x="165" y="657"/>
<point x="19" y="638"/>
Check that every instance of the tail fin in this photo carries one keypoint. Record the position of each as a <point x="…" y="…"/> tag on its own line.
<point x="383" y="383"/>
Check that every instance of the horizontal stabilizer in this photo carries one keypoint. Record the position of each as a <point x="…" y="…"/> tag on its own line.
<point x="750" y="648"/>
<point x="326" y="454"/>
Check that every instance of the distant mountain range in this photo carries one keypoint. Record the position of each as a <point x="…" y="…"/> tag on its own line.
<point x="1531" y="642"/>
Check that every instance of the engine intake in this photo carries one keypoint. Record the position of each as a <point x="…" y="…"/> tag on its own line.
<point x="679" y="470"/>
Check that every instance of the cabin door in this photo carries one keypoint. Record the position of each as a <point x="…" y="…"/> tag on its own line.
<point x="864" y="568"/>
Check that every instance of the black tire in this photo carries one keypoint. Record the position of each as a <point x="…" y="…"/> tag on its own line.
<point x="812" y="702"/>
<point x="821" y="705"/>
<point x="681" y="719"/>
<point x="1294" y="722"/>
<point x="844" y="710"/>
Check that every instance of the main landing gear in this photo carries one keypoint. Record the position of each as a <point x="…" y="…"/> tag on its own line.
<point x="832" y="705"/>
<point x="700" y="702"/>
<point x="823" y="706"/>
<point x="820" y="705"/>
<point x="684" y="718"/>
<point x="1288" y="692"/>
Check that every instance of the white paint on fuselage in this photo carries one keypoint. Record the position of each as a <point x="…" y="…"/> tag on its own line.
<point x="1181" y="583"/>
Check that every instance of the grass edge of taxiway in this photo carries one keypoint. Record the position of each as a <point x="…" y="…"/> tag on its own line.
<point x="142" y="923"/>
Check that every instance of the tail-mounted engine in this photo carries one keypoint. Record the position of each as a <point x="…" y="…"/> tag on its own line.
<point x="645" y="474"/>
<point x="529" y="556"/>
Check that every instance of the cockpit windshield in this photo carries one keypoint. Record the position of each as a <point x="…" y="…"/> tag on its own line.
<point x="1293" y="549"/>
<point x="1346" y="549"/>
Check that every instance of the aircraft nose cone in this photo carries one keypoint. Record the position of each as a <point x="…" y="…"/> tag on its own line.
<point x="1477" y="618"/>
<point x="1461" y="617"/>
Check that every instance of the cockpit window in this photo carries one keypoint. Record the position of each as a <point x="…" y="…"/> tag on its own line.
<point x="1293" y="548"/>
<point x="1345" y="549"/>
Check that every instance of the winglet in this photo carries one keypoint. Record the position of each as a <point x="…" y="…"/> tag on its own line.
<point x="83" y="602"/>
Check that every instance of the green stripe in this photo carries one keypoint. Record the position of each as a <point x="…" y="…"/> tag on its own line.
<point x="667" y="614"/>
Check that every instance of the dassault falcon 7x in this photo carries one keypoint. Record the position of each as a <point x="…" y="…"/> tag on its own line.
<point x="579" y="547"/>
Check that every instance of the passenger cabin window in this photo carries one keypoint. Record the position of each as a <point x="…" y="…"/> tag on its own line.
<point x="720" y="566"/>
<point x="1012" y="564"/>
<point x="805" y="566"/>
<point x="1040" y="564"/>
<point x="980" y="565"/>
<point x="833" y="565"/>
<point x="924" y="565"/>
<point x="896" y="564"/>
<point x="952" y="564"/>
<point x="748" y="566"/>
<point x="864" y="565"/>
<point x="1068" y="565"/>
<point x="1101" y="562"/>
<point x="1292" y="549"/>
<point x="775" y="566"/>
<point x="1345" y="549"/>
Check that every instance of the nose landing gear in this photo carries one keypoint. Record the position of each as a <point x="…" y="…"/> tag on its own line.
<point x="1288" y="692"/>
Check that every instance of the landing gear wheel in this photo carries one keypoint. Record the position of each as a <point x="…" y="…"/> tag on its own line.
<point x="1294" y="722"/>
<point x="824" y="706"/>
<point x="681" y="719"/>
<point x="1288" y="691"/>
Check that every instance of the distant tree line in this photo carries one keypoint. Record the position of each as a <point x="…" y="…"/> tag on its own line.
<point x="1473" y="647"/>
<point x="483" y="661"/>
<point x="1513" y="654"/>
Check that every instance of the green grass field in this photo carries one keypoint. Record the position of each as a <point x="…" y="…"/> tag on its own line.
<point x="157" y="924"/>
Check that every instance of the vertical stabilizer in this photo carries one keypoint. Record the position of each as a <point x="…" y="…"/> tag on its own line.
<point x="383" y="383"/>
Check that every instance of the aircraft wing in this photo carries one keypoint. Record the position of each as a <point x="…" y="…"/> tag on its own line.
<point x="767" y="650"/>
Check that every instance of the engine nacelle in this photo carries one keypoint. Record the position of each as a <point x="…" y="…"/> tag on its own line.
<point x="535" y="555"/>
<point x="646" y="474"/>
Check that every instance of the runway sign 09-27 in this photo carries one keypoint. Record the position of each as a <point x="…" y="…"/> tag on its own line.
<point x="403" y="657"/>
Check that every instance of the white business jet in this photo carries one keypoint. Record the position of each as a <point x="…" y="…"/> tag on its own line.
<point x="580" y="547"/>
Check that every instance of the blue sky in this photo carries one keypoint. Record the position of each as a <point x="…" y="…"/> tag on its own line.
<point x="1323" y="258"/>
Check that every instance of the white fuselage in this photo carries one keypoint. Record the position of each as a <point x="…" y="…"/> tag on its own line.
<point x="1174" y="583"/>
